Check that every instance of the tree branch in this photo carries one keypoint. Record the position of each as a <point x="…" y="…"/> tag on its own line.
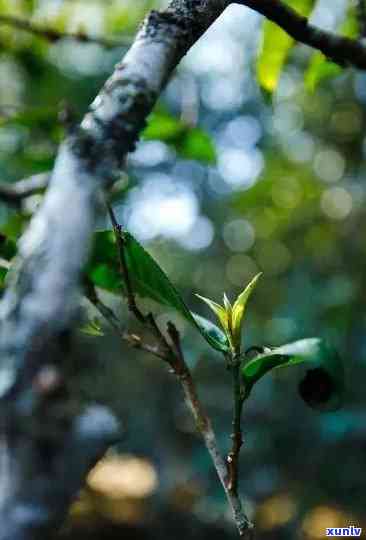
<point x="16" y="192"/>
<point x="53" y="35"/>
<point x="342" y="50"/>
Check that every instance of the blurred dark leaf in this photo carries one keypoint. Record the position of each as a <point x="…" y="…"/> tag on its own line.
<point x="323" y="385"/>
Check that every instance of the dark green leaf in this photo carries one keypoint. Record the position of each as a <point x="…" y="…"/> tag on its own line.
<point x="323" y="385"/>
<point x="148" y="280"/>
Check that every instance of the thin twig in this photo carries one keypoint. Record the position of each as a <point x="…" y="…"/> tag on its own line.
<point x="118" y="233"/>
<point x="53" y="35"/>
<point x="108" y="314"/>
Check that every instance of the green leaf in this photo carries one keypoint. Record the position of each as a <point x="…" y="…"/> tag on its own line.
<point x="220" y="312"/>
<point x="323" y="385"/>
<point x="148" y="280"/>
<point x="163" y="127"/>
<point x="198" y="145"/>
<point x="276" y="46"/>
<point x="239" y="308"/>
<point x="189" y="142"/>
<point x="213" y="331"/>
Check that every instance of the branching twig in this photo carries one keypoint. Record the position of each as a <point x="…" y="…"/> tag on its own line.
<point x="132" y="339"/>
<point x="202" y="421"/>
<point x="172" y="353"/>
<point x="53" y="35"/>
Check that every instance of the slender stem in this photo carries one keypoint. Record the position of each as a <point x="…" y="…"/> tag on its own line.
<point x="204" y="426"/>
<point x="237" y="438"/>
<point x="132" y="306"/>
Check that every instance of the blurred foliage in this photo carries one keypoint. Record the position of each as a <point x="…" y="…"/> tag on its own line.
<point x="275" y="47"/>
<point x="224" y="183"/>
<point x="189" y="142"/>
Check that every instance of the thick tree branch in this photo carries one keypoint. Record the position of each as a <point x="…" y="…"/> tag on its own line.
<point x="341" y="50"/>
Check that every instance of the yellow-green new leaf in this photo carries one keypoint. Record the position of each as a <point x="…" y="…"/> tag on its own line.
<point x="219" y="311"/>
<point x="239" y="308"/>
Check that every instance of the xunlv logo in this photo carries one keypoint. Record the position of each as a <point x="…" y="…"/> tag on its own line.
<point x="345" y="531"/>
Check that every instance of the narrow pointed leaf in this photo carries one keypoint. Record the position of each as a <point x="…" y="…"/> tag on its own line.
<point x="227" y="304"/>
<point x="240" y="304"/>
<point x="219" y="311"/>
<point x="323" y="385"/>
